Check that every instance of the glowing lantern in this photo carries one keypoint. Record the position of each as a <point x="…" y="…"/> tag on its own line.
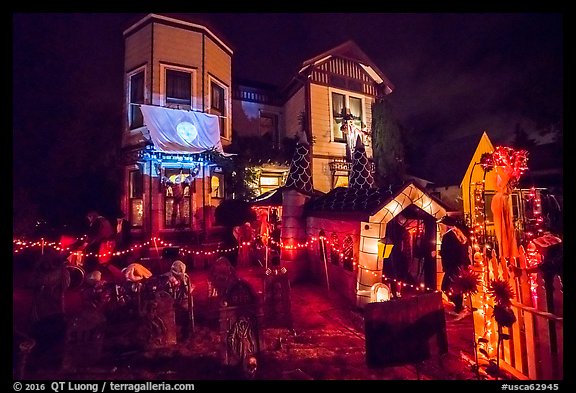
<point x="380" y="292"/>
<point x="384" y="248"/>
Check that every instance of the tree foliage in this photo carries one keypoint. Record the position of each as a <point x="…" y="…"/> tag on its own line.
<point x="233" y="212"/>
<point x="521" y="138"/>
<point x="250" y="153"/>
<point x="387" y="145"/>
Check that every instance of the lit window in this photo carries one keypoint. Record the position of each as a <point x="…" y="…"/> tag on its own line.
<point x="217" y="185"/>
<point x="270" y="181"/>
<point x="343" y="104"/>
<point x="178" y="186"/>
<point x="136" y="187"/>
<point x="340" y="181"/>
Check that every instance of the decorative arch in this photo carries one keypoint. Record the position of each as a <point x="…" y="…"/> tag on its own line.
<point x="369" y="262"/>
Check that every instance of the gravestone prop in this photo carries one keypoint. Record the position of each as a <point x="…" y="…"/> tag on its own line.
<point x="158" y="326"/>
<point x="240" y="320"/>
<point x="405" y="330"/>
<point x="277" y="300"/>
<point x="84" y="339"/>
<point x="221" y="275"/>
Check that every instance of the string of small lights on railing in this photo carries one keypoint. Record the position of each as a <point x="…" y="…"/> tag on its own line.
<point x="534" y="229"/>
<point x="291" y="245"/>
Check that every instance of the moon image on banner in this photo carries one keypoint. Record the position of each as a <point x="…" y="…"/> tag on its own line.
<point x="187" y="131"/>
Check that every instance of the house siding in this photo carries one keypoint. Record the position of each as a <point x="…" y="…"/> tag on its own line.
<point x="218" y="64"/>
<point x="176" y="47"/>
<point x="137" y="48"/>
<point x="324" y="149"/>
<point x="292" y="109"/>
<point x="154" y="45"/>
<point x="247" y="117"/>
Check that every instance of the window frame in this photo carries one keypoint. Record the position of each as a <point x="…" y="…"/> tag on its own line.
<point x="129" y="88"/>
<point x="221" y="192"/>
<point x="135" y="198"/>
<point x="347" y="95"/>
<point x="223" y="117"/>
<point x="164" y="68"/>
<point x="167" y="172"/>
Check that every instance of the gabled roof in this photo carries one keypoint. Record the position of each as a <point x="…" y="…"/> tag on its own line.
<point x="358" y="203"/>
<point x="351" y="51"/>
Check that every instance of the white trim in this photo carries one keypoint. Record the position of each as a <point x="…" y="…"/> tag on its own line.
<point x="370" y="71"/>
<point x="176" y="21"/>
<point x="192" y="71"/>
<point x="227" y="105"/>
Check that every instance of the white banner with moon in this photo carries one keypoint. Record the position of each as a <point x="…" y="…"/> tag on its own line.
<point x="182" y="131"/>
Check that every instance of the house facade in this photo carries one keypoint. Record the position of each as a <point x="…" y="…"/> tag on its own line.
<point x="184" y="68"/>
<point x="174" y="68"/>
<point x="341" y="83"/>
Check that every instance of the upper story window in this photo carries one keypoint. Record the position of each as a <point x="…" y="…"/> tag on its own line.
<point x="217" y="98"/>
<point x="177" y="84"/>
<point x="136" y="95"/>
<point x="219" y="104"/>
<point x="343" y="104"/>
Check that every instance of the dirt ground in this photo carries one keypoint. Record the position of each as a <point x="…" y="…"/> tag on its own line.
<point x="327" y="343"/>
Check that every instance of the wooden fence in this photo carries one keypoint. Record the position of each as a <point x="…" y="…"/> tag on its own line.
<point x="534" y="347"/>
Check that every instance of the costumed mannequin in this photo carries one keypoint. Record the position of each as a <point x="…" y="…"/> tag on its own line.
<point x="100" y="242"/>
<point x="178" y="187"/>
<point x="352" y="133"/>
<point x="244" y="235"/>
<point x="454" y="253"/>
<point x="508" y="166"/>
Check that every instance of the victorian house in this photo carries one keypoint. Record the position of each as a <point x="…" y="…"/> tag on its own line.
<point x="337" y="85"/>
<point x="177" y="122"/>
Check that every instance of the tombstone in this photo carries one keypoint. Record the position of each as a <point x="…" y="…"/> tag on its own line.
<point x="277" y="299"/>
<point x="240" y="320"/>
<point x="84" y="340"/>
<point x="158" y="325"/>
<point x="405" y="330"/>
<point x="221" y="275"/>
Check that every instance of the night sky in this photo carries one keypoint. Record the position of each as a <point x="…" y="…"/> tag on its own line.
<point x="455" y="74"/>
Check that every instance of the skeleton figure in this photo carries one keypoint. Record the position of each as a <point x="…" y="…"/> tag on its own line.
<point x="240" y="340"/>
